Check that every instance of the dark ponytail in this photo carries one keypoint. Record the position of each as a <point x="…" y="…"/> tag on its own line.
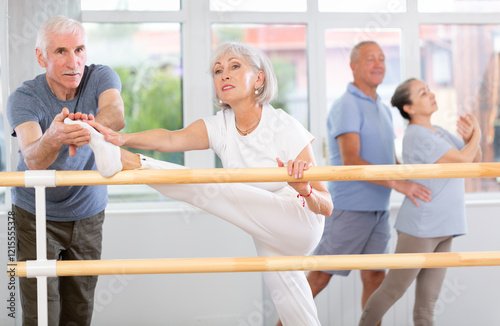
<point x="401" y="97"/>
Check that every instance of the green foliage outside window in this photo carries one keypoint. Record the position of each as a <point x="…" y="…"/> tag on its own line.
<point x="152" y="98"/>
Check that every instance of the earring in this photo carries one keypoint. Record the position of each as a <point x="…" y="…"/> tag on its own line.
<point x="256" y="92"/>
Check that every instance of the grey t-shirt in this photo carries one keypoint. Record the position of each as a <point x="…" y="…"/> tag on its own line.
<point x="34" y="101"/>
<point x="444" y="215"/>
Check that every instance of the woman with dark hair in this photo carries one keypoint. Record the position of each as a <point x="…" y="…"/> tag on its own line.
<point x="431" y="226"/>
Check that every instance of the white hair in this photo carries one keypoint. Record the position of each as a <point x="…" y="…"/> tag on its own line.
<point x="59" y="25"/>
<point x="257" y="60"/>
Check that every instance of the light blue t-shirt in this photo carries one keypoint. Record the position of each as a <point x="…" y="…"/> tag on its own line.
<point x="444" y="215"/>
<point x="34" y="101"/>
<point x="372" y="120"/>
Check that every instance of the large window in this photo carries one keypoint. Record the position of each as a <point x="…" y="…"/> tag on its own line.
<point x="285" y="45"/>
<point x="461" y="65"/>
<point x="309" y="44"/>
<point x="147" y="58"/>
<point x="338" y="45"/>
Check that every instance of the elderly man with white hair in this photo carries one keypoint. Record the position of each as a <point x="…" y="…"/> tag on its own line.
<point x="36" y="111"/>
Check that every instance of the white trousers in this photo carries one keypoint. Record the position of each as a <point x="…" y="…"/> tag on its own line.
<point x="278" y="223"/>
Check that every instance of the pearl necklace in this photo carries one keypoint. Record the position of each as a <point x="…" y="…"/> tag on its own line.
<point x="246" y="132"/>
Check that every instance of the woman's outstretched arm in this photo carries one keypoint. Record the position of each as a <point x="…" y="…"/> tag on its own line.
<point x="193" y="137"/>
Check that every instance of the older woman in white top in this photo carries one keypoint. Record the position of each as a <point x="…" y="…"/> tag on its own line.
<point x="283" y="219"/>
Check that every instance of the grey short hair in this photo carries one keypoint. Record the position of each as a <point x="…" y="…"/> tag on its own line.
<point x="257" y="60"/>
<point x="356" y="49"/>
<point x="60" y="25"/>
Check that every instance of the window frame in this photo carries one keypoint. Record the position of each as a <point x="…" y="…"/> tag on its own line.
<point x="196" y="20"/>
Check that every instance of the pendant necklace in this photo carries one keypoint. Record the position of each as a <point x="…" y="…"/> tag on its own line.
<point x="245" y="132"/>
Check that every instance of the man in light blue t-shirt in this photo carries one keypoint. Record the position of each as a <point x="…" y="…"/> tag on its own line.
<point x="360" y="132"/>
<point x="75" y="214"/>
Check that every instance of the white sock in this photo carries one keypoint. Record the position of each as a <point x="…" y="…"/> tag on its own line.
<point x="107" y="156"/>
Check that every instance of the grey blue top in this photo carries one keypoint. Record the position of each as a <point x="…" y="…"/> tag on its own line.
<point x="444" y="215"/>
<point x="34" y="101"/>
<point x="372" y="120"/>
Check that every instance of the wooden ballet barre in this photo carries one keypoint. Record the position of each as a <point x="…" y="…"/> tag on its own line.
<point x="266" y="264"/>
<point x="274" y="174"/>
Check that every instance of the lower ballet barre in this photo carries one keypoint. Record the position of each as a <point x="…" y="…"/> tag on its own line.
<point x="261" y="264"/>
